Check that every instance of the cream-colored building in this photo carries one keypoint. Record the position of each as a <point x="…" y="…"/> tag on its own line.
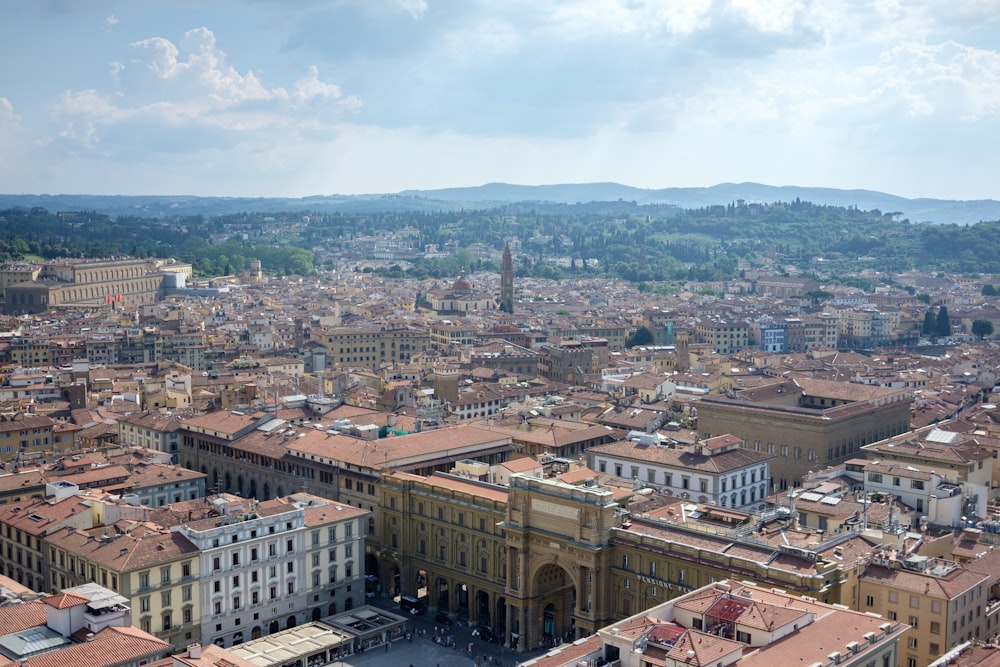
<point x="946" y="603"/>
<point x="156" y="569"/>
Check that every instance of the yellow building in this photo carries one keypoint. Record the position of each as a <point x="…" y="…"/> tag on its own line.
<point x="441" y="540"/>
<point x="543" y="559"/>
<point x="946" y="603"/>
<point x="371" y="347"/>
<point x="156" y="569"/>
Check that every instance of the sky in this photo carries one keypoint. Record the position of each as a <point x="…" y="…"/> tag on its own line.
<point x="315" y="97"/>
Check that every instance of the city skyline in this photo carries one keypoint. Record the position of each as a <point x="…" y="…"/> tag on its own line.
<point x="244" y="98"/>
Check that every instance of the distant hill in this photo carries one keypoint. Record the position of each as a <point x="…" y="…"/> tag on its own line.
<point x="490" y="195"/>
<point x="942" y="211"/>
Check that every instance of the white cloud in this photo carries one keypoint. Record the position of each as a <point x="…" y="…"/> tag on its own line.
<point x="110" y="22"/>
<point x="204" y="67"/>
<point x="309" y="87"/>
<point x="415" y="8"/>
<point x="166" y="86"/>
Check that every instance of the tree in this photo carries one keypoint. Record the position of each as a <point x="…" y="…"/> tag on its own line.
<point x="982" y="328"/>
<point x="930" y="323"/>
<point x="989" y="290"/>
<point x="943" y="327"/>
<point x="641" y="336"/>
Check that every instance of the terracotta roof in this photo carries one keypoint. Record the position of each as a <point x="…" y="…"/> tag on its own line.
<point x="108" y="647"/>
<point x="17" y="617"/>
<point x="64" y="600"/>
<point x="681" y="458"/>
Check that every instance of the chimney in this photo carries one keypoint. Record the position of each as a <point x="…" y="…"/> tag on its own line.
<point x="194" y="651"/>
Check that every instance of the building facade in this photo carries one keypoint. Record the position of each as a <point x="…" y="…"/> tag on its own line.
<point x="807" y="424"/>
<point x="717" y="470"/>
<point x="267" y="566"/>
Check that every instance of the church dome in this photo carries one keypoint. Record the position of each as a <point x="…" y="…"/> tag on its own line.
<point x="462" y="285"/>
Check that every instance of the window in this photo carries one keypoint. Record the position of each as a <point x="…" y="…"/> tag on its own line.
<point x="236" y="581"/>
<point x="348" y="551"/>
<point x="315" y="536"/>
<point x="291" y="587"/>
<point x="914" y="602"/>
<point x="913" y="622"/>
<point x="290" y="566"/>
<point x="217" y="608"/>
<point x="652" y="568"/>
<point x="893" y="596"/>
<point x="186" y="569"/>
<point x="912" y="643"/>
<point x="935" y="628"/>
<point x="236" y="559"/>
<point x="935" y="649"/>
<point x="917" y="484"/>
<point x="216" y="563"/>
<point x="166" y="621"/>
<point x="875" y="477"/>
<point x="349" y="529"/>
<point x="144" y="580"/>
<point x="935" y="606"/>
<point x="165" y="599"/>
<point x="743" y="637"/>
<point x="216" y="586"/>
<point x="289" y="546"/>
<point x="895" y="481"/>
<point x="870" y="601"/>
<point x="254" y="577"/>
<point x="165" y="575"/>
<point x="253" y="555"/>
<point x="186" y="593"/>
<point x="144" y="603"/>
<point x="332" y="531"/>
<point x="315" y="560"/>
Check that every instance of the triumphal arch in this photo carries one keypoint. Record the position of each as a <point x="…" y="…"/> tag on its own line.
<point x="559" y="557"/>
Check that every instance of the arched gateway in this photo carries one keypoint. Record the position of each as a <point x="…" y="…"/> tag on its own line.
<point x="557" y="542"/>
